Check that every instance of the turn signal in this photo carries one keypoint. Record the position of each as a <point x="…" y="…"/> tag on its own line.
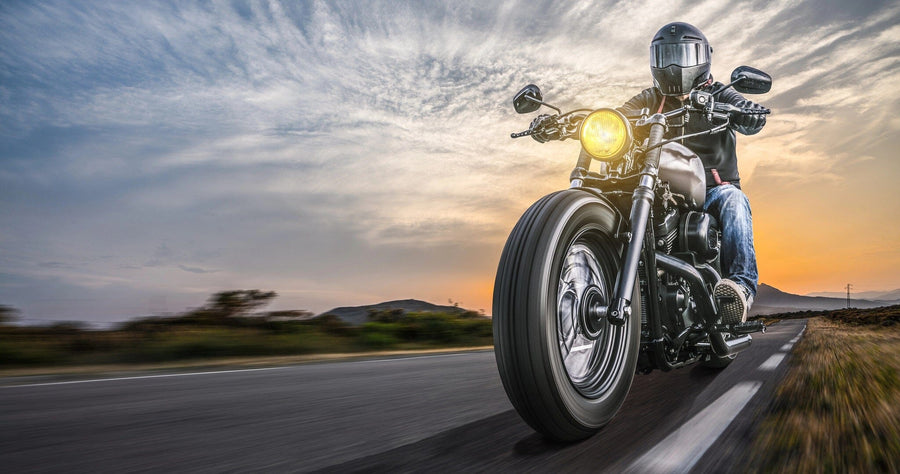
<point x="605" y="134"/>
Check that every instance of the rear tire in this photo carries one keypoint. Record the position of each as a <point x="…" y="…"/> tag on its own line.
<point x="560" y="255"/>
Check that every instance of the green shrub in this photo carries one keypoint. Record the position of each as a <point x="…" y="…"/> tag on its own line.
<point x="378" y="340"/>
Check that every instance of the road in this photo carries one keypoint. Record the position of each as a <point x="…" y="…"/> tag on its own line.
<point x="426" y="413"/>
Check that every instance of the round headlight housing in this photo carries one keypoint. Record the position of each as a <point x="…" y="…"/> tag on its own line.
<point x="605" y="134"/>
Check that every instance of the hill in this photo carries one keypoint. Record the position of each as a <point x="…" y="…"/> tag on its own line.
<point x="888" y="296"/>
<point x="771" y="300"/>
<point x="357" y="315"/>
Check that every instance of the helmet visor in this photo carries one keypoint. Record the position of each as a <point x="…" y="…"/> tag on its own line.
<point x="678" y="54"/>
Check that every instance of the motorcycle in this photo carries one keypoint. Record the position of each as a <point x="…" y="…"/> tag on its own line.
<point x="614" y="275"/>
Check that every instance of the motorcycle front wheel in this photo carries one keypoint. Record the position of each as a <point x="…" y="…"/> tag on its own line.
<point x="567" y="377"/>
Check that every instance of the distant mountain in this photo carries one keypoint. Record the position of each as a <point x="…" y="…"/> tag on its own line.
<point x="357" y="315"/>
<point x="771" y="300"/>
<point x="892" y="295"/>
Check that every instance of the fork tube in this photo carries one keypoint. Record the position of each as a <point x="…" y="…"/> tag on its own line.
<point x="642" y="201"/>
<point x="576" y="179"/>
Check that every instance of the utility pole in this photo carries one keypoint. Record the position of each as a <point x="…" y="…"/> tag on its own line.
<point x="848" y="295"/>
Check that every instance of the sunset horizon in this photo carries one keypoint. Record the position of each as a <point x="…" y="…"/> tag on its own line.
<point x="339" y="155"/>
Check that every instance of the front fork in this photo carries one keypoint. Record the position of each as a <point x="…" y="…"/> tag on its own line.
<point x="642" y="201"/>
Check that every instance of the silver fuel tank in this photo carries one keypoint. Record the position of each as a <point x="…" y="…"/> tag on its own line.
<point x="684" y="171"/>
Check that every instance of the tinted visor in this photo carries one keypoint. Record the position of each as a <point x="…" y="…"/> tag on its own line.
<point x="678" y="54"/>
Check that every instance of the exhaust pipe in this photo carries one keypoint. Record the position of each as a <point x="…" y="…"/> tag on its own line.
<point x="726" y="348"/>
<point x="707" y="305"/>
<point x="695" y="279"/>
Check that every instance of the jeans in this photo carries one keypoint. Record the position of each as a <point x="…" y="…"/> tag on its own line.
<point x="729" y="205"/>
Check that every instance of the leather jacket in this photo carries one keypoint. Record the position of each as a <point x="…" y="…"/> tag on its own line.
<point x="716" y="151"/>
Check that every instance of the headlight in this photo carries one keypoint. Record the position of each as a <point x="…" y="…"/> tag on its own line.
<point x="605" y="134"/>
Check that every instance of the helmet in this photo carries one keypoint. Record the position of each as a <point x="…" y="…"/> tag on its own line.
<point x="679" y="58"/>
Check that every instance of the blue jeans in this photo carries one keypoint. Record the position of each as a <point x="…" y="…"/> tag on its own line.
<point x="729" y="205"/>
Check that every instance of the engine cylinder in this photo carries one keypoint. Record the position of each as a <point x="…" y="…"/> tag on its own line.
<point x="665" y="230"/>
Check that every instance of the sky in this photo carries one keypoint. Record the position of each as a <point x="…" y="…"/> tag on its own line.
<point x="346" y="153"/>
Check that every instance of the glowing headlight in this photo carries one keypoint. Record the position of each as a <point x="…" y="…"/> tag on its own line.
<point x="605" y="134"/>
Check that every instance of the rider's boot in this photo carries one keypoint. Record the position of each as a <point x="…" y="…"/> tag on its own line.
<point x="734" y="301"/>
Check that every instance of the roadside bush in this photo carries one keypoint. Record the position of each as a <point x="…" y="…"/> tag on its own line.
<point x="378" y="340"/>
<point x="17" y="354"/>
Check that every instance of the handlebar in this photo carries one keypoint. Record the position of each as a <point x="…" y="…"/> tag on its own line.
<point x="720" y="110"/>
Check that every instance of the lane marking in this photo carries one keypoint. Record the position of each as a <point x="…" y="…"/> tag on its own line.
<point x="681" y="450"/>
<point x="787" y="346"/>
<point x="138" y="377"/>
<point x="213" y="372"/>
<point x="772" y="362"/>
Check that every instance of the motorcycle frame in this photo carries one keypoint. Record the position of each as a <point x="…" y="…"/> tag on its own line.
<point x="641" y="257"/>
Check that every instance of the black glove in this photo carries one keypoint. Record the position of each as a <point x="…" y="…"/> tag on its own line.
<point x="751" y="123"/>
<point x="547" y="128"/>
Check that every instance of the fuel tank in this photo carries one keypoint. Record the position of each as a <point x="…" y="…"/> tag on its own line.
<point x="684" y="171"/>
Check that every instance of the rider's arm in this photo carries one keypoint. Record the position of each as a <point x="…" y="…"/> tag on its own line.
<point x="747" y="124"/>
<point x="646" y="99"/>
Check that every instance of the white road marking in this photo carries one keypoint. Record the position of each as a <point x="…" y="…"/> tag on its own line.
<point x="787" y="346"/>
<point x="679" y="451"/>
<point x="772" y="362"/>
<point x="581" y="348"/>
<point x="213" y="372"/>
<point x="798" y="336"/>
<point x="138" y="377"/>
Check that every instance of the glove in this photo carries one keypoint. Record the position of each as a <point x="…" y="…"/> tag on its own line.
<point x="748" y="124"/>
<point x="546" y="127"/>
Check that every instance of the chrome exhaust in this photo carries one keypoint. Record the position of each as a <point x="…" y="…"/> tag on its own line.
<point x="730" y="347"/>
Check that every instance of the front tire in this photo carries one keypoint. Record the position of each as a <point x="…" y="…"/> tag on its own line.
<point x="560" y="257"/>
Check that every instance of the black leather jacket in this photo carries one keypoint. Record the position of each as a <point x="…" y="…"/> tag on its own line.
<point x="717" y="151"/>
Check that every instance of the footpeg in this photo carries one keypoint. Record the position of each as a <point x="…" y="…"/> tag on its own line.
<point x="748" y="327"/>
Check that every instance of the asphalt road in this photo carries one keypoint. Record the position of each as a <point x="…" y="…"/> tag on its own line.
<point x="429" y="413"/>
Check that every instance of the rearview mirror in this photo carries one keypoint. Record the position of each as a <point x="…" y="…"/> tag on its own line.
<point x="528" y="99"/>
<point x="748" y="80"/>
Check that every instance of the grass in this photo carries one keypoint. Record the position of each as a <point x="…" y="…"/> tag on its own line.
<point x="188" y="338"/>
<point x="838" y="409"/>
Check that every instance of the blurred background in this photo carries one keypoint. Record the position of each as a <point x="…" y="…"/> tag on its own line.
<point x="344" y="154"/>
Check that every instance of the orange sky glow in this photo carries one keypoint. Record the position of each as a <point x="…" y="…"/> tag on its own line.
<point x="346" y="153"/>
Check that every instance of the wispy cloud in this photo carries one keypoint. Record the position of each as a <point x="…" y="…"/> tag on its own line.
<point x="324" y="148"/>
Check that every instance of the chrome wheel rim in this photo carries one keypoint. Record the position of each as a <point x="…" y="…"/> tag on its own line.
<point x="592" y="359"/>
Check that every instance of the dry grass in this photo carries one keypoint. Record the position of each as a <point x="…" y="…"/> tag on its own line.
<point x="838" y="409"/>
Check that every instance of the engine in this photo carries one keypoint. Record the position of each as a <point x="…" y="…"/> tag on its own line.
<point x="665" y="229"/>
<point x="699" y="234"/>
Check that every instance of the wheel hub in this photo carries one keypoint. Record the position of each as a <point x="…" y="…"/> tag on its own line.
<point x="592" y="312"/>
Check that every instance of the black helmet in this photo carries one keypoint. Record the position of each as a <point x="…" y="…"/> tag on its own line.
<point x="679" y="58"/>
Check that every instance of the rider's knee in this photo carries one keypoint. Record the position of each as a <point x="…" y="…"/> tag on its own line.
<point x="733" y="199"/>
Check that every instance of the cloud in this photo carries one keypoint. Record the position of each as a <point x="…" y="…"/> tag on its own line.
<point x="335" y="152"/>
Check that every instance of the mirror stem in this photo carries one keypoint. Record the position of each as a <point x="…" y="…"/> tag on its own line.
<point x="532" y="99"/>
<point x="726" y="86"/>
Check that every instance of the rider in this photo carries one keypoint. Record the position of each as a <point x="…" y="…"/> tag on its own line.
<point x="680" y="62"/>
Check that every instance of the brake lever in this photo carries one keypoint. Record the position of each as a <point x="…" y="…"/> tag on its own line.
<point x="522" y="134"/>
<point x="724" y="107"/>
